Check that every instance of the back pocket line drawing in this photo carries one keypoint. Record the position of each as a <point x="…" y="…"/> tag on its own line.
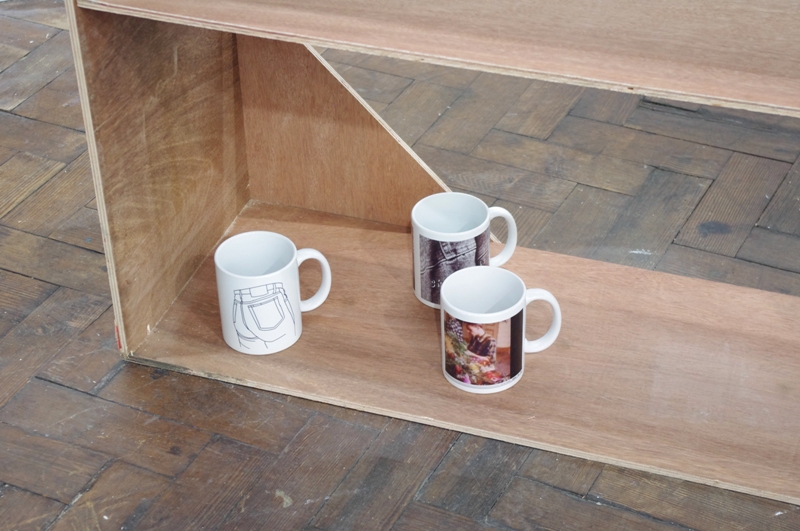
<point x="262" y="315"/>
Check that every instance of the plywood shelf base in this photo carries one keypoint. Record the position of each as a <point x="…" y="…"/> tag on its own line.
<point x="651" y="371"/>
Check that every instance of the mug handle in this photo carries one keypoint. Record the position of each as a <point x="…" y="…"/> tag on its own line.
<point x="511" y="240"/>
<point x="555" y="327"/>
<point x="325" y="287"/>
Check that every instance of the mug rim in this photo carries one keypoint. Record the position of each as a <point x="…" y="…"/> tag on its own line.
<point x="449" y="236"/>
<point x="482" y="317"/>
<point x="254" y="233"/>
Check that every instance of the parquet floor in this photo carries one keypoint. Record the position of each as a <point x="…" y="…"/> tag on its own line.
<point x="89" y="442"/>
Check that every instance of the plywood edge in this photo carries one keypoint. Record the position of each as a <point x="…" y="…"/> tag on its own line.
<point x="108" y="248"/>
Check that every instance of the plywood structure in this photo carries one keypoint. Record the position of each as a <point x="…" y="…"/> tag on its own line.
<point x="207" y="118"/>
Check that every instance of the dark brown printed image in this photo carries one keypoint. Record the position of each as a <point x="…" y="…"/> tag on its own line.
<point x="438" y="260"/>
<point x="482" y="354"/>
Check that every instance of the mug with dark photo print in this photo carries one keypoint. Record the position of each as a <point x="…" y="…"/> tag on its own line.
<point x="451" y="232"/>
<point x="483" y="328"/>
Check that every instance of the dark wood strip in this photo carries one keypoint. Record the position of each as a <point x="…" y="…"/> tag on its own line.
<point x="76" y="418"/>
<point x="733" y="204"/>
<point x="46" y="466"/>
<point x="371" y="85"/>
<point x="21" y="176"/>
<point x="540" y="108"/>
<point x="298" y="483"/>
<point x="772" y="249"/>
<point x="417" y="108"/>
<point x="600" y="171"/>
<point x="472" y="476"/>
<point x="52" y="261"/>
<point x="81" y="229"/>
<point x="86" y="360"/>
<point x="24" y="78"/>
<point x="697" y="506"/>
<point x="701" y="264"/>
<point x="582" y="221"/>
<point x="474" y="114"/>
<point x="209" y="489"/>
<point x="605" y="106"/>
<point x="40" y="138"/>
<point x="375" y="492"/>
<point x="36" y="340"/>
<point x="61" y="196"/>
<point x="247" y="415"/>
<point x="24" y="511"/>
<point x="554" y="509"/>
<point x="561" y="471"/>
<point x="644" y="231"/>
<point x="783" y="212"/>
<point x="117" y="500"/>
<point x="496" y="180"/>
<point x="421" y="517"/>
<point x="19" y="296"/>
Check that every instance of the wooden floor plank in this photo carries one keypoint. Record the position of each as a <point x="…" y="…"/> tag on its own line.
<point x="23" y="35"/>
<point x="236" y="412"/>
<point x="565" y="163"/>
<point x="46" y="466"/>
<point x="472" y="476"/>
<point x="37" y="339"/>
<point x="696" y="506"/>
<point x="650" y="222"/>
<point x="9" y="55"/>
<point x="116" y="500"/>
<point x="19" y="296"/>
<point x="496" y="180"/>
<point x="561" y="471"/>
<point x="294" y="488"/>
<point x="421" y="517"/>
<point x="578" y="227"/>
<point x="474" y="114"/>
<point x="529" y="222"/>
<point x="87" y="359"/>
<point x="353" y="416"/>
<point x="37" y="69"/>
<point x="53" y="107"/>
<point x="40" y="138"/>
<point x="21" y="176"/>
<point x="733" y="204"/>
<point x="783" y="212"/>
<point x="417" y="108"/>
<point x="61" y="196"/>
<point x="371" y="85"/>
<point x="773" y="249"/>
<point x="23" y="511"/>
<point x="52" y="261"/>
<point x="605" y="106"/>
<point x="76" y="418"/>
<point x="540" y="108"/>
<point x="81" y="229"/>
<point x="515" y="511"/>
<point x="48" y="12"/>
<point x="387" y="476"/>
<point x="702" y="264"/>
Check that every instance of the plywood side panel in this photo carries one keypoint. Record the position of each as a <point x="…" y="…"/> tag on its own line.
<point x="312" y="142"/>
<point x="732" y="52"/>
<point x="164" y="124"/>
<point x="678" y="376"/>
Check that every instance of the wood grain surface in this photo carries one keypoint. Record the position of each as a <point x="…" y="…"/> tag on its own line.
<point x="683" y="49"/>
<point x="653" y="371"/>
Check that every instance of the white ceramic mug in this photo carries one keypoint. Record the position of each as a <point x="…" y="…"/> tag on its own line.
<point x="483" y="328"/>
<point x="451" y="232"/>
<point x="258" y="284"/>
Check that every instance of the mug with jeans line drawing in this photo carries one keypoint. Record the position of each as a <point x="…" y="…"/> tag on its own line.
<point x="451" y="232"/>
<point x="483" y="328"/>
<point x="258" y="284"/>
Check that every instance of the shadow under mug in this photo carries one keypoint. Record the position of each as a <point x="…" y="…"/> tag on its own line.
<point x="483" y="328"/>
<point x="451" y="232"/>
<point x="258" y="285"/>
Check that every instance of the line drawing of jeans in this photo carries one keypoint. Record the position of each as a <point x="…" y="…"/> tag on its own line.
<point x="438" y="260"/>
<point x="262" y="315"/>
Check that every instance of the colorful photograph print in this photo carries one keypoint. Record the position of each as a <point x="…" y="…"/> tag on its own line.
<point x="482" y="354"/>
<point x="438" y="260"/>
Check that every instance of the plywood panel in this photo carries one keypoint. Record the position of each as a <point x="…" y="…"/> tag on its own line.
<point x="652" y="371"/>
<point x="684" y="49"/>
<point x="312" y="142"/>
<point x="165" y="133"/>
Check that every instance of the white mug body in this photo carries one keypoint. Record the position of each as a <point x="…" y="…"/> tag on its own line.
<point x="483" y="344"/>
<point x="258" y="285"/>
<point x="451" y="231"/>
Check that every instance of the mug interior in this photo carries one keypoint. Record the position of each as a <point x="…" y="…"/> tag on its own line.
<point x="482" y="290"/>
<point x="450" y="212"/>
<point x="253" y="254"/>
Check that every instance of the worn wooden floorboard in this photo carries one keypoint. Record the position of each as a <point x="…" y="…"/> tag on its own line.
<point x="88" y="441"/>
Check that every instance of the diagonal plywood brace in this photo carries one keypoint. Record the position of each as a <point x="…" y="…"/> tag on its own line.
<point x="313" y="143"/>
